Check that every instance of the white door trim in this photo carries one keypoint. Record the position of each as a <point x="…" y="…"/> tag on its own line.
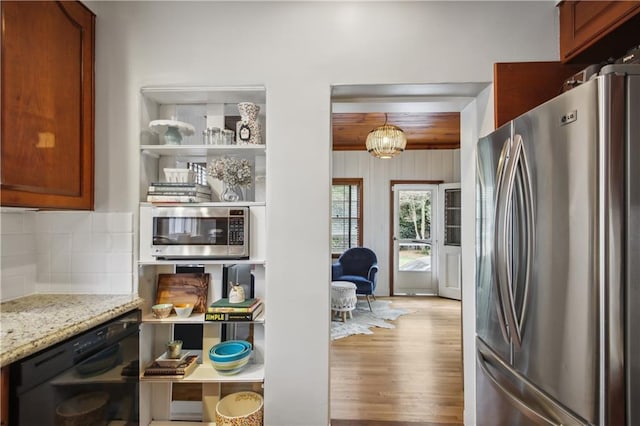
<point x="449" y="256"/>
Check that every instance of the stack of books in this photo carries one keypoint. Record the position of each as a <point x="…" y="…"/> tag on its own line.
<point x="222" y="310"/>
<point x="178" y="192"/>
<point x="156" y="371"/>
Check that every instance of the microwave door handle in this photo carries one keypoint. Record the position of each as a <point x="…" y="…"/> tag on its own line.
<point x="499" y="225"/>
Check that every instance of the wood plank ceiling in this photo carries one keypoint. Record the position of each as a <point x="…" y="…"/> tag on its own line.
<point x="424" y="130"/>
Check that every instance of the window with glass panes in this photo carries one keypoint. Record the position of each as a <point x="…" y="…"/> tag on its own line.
<point x="346" y="215"/>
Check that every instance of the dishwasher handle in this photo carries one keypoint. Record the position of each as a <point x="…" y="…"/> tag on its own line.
<point x="38" y="369"/>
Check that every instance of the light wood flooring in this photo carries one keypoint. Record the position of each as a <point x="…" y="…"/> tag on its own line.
<point x="407" y="376"/>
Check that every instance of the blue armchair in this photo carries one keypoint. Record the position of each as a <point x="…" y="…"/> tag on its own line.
<point x="358" y="265"/>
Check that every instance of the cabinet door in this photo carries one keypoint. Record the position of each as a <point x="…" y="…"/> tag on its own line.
<point x="521" y="86"/>
<point x="4" y="396"/>
<point x="593" y="31"/>
<point x="47" y="105"/>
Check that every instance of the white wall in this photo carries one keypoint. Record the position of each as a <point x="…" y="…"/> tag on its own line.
<point x="476" y="120"/>
<point x="376" y="174"/>
<point x="297" y="50"/>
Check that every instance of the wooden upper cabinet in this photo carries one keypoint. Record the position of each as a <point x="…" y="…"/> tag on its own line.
<point x="4" y="396"/>
<point x="521" y="86"/>
<point x="594" y="31"/>
<point x="47" y="126"/>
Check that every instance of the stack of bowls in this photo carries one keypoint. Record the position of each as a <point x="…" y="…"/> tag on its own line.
<point x="240" y="408"/>
<point x="230" y="357"/>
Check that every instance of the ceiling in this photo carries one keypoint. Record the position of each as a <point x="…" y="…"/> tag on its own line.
<point x="424" y="130"/>
<point x="429" y="114"/>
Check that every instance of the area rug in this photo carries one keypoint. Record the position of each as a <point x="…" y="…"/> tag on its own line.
<point x="363" y="319"/>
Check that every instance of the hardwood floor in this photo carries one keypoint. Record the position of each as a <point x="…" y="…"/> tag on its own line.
<point x="407" y="376"/>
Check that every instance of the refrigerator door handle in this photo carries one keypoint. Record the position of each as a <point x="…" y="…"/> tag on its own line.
<point x="503" y="225"/>
<point x="530" y="232"/>
<point x="516" y="166"/>
<point x="500" y="228"/>
<point x="486" y="359"/>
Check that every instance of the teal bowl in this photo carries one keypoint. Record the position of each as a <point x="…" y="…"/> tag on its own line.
<point x="232" y="367"/>
<point x="231" y="350"/>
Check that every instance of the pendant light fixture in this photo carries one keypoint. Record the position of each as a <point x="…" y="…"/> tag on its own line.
<point x="386" y="141"/>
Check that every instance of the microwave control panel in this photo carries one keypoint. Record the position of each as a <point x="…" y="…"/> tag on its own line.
<point x="236" y="227"/>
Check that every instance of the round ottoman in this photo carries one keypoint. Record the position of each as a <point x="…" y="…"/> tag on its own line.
<point x="343" y="299"/>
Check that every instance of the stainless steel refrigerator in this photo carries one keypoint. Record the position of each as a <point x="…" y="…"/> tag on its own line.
<point x="558" y="260"/>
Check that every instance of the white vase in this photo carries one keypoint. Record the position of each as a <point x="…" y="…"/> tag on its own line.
<point x="248" y="129"/>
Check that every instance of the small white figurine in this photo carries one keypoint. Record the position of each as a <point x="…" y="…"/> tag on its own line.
<point x="236" y="294"/>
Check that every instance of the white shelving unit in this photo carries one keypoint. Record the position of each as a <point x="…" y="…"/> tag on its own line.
<point x="202" y="150"/>
<point x="193" y="319"/>
<point x="201" y="107"/>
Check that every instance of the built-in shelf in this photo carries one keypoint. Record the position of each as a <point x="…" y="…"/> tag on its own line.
<point x="203" y="262"/>
<point x="204" y="94"/>
<point x="196" y="319"/>
<point x="205" y="373"/>
<point x="209" y="204"/>
<point x="208" y="107"/>
<point x="202" y="150"/>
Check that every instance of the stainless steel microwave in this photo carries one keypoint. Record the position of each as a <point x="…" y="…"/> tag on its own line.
<point x="202" y="232"/>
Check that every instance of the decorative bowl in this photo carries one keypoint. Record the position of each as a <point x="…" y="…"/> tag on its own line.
<point x="231" y="350"/>
<point x="231" y="368"/>
<point x="240" y="408"/>
<point x="162" y="310"/>
<point x="230" y="357"/>
<point x="183" y="310"/>
<point x="172" y="129"/>
<point x="178" y="175"/>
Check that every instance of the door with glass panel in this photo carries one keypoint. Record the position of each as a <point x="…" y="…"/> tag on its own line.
<point x="414" y="239"/>
<point x="449" y="236"/>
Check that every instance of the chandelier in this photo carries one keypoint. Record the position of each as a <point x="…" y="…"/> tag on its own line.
<point x="386" y="141"/>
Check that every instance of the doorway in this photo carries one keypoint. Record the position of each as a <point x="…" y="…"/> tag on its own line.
<point x="355" y="385"/>
<point x="414" y="252"/>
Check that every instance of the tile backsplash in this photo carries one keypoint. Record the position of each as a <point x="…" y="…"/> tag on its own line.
<point x="17" y="254"/>
<point x="66" y="252"/>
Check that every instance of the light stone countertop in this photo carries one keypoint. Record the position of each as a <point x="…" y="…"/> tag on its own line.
<point x="32" y="323"/>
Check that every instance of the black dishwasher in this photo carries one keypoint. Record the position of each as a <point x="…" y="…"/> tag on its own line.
<point x="90" y="379"/>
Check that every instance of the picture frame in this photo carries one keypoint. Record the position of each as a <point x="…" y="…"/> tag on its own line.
<point x="184" y="288"/>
